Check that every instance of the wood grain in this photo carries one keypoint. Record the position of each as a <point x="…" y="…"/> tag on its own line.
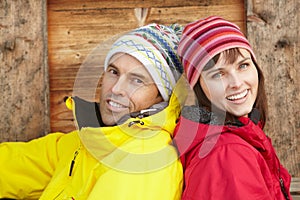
<point x="24" y="104"/>
<point x="274" y="31"/>
<point x="75" y="29"/>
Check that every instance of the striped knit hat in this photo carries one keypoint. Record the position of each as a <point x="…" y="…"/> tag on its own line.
<point x="155" y="46"/>
<point x="204" y="39"/>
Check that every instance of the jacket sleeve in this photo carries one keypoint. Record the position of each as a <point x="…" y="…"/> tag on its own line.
<point x="230" y="171"/>
<point x="27" y="167"/>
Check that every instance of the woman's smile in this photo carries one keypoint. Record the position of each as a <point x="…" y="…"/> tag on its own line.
<point x="237" y="97"/>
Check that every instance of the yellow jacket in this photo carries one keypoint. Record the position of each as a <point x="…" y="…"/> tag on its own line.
<point x="134" y="160"/>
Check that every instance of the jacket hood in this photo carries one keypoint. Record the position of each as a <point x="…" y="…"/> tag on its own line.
<point x="195" y="118"/>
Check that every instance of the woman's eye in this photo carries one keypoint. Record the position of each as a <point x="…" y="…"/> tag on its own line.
<point x="244" y="66"/>
<point x="217" y="75"/>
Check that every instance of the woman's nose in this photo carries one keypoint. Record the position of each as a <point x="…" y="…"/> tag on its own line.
<point x="235" y="81"/>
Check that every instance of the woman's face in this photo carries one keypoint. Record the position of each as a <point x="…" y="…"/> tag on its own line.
<point x="232" y="87"/>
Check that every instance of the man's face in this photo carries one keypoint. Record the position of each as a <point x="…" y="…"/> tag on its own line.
<point x="126" y="87"/>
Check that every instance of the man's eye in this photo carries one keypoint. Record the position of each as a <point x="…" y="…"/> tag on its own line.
<point x="138" y="81"/>
<point x="112" y="71"/>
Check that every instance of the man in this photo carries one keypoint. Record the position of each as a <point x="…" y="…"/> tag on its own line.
<point x="122" y="148"/>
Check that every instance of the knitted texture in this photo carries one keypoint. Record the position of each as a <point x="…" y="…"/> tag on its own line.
<point x="204" y="39"/>
<point x="155" y="46"/>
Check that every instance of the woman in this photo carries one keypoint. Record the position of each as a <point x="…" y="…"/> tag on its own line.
<point x="224" y="151"/>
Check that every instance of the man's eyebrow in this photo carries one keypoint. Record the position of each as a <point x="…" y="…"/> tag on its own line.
<point x="112" y="65"/>
<point x="133" y="73"/>
<point x="137" y="74"/>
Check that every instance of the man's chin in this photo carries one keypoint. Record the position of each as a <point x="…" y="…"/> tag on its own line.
<point x="111" y="120"/>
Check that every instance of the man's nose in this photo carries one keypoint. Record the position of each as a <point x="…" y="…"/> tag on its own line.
<point x="119" y="88"/>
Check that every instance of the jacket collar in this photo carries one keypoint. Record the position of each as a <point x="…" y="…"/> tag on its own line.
<point x="112" y="144"/>
<point x="201" y="115"/>
<point x="87" y="114"/>
<point x="204" y="126"/>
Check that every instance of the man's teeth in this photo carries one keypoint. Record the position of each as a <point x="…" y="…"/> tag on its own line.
<point x="238" y="96"/>
<point x="116" y="105"/>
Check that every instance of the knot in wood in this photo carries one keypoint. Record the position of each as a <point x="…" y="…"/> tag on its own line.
<point x="282" y="43"/>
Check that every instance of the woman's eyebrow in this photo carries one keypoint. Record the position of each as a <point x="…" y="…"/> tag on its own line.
<point x="243" y="60"/>
<point x="221" y="68"/>
<point x="215" y="70"/>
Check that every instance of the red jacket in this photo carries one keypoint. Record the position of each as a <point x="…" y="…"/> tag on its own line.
<point x="238" y="164"/>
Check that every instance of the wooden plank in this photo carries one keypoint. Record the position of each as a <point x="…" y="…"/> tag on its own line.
<point x="295" y="185"/>
<point x="187" y="14"/>
<point x="106" y="4"/>
<point x="63" y="118"/>
<point x="23" y="73"/>
<point x="72" y="42"/>
<point x="75" y="28"/>
<point x="295" y="188"/>
<point x="296" y="197"/>
<point x="60" y="113"/>
<point x="274" y="31"/>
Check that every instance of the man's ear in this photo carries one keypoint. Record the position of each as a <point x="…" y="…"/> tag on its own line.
<point x="159" y="98"/>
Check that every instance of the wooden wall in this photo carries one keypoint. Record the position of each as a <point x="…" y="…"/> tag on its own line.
<point x="273" y="28"/>
<point x="76" y="28"/>
<point x="24" y="98"/>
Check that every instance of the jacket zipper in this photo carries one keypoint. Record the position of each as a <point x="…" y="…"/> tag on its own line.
<point x="283" y="189"/>
<point x="281" y="182"/>
<point x="73" y="162"/>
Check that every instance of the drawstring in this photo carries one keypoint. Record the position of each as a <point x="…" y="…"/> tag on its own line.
<point x="135" y="122"/>
<point x="73" y="162"/>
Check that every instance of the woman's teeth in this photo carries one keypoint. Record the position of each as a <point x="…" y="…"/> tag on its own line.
<point x="116" y="105"/>
<point x="237" y="96"/>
